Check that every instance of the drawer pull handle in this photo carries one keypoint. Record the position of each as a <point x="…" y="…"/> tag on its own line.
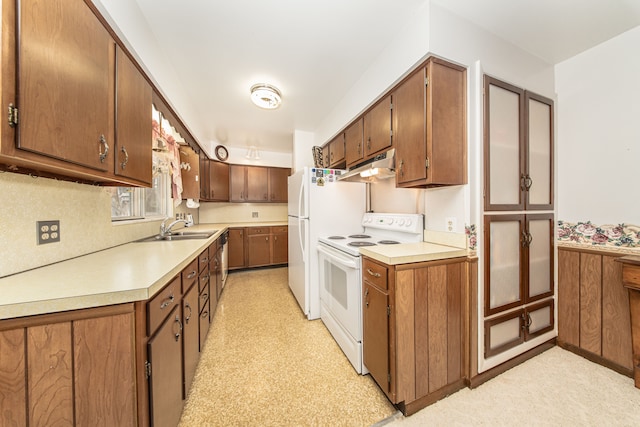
<point x="204" y="296"/>
<point x="192" y="274"/>
<point x="205" y="260"/>
<point x="167" y="302"/>
<point x="188" y="317"/>
<point x="205" y="314"/>
<point x="372" y="273"/>
<point x="179" y="328"/>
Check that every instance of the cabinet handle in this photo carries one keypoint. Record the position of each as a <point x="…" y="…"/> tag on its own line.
<point x="187" y="318"/>
<point x="205" y="260"/>
<point x="366" y="295"/>
<point x="369" y="142"/>
<point x="526" y="320"/>
<point x="205" y="314"/>
<point x="372" y="273"/>
<point x="179" y="328"/>
<point x="266" y="239"/>
<point x="359" y="148"/>
<point x="103" y="154"/>
<point x="126" y="157"/>
<point x="204" y="296"/>
<point x="526" y="239"/>
<point x="265" y="196"/>
<point x="167" y="302"/>
<point x="401" y="167"/>
<point x="527" y="182"/>
<point x="192" y="274"/>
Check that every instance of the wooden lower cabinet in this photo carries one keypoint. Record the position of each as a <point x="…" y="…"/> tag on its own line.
<point x="258" y="246"/>
<point x="415" y="321"/>
<point x="593" y="308"/>
<point x="631" y="281"/>
<point x="54" y="369"/>
<point x="191" y="336"/>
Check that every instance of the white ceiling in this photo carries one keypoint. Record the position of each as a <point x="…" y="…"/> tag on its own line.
<point x="315" y="50"/>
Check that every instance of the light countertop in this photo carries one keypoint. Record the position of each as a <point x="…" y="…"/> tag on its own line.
<point x="407" y="253"/>
<point x="131" y="272"/>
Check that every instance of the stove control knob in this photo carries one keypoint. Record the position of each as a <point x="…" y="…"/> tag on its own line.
<point x="390" y="221"/>
<point x="408" y="224"/>
<point x="401" y="221"/>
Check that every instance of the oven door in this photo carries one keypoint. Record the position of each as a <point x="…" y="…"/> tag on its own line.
<point x="340" y="288"/>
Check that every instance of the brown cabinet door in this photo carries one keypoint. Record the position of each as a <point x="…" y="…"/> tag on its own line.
<point x="336" y="151"/>
<point x="12" y="377"/>
<point x="50" y="375"/>
<point x="257" y="184"/>
<point x="62" y="115"/>
<point x="237" y="183"/>
<point x="236" y="248"/>
<point x="204" y="176"/>
<point x="190" y="177"/>
<point x="377" y="127"/>
<point x="325" y="155"/>
<point x="191" y="340"/>
<point x="410" y="129"/>
<point x="278" y="184"/>
<point x="165" y="383"/>
<point x="375" y="338"/>
<point x="133" y="121"/>
<point x="112" y="372"/>
<point x="280" y="249"/>
<point x="259" y="250"/>
<point x="205" y="319"/>
<point x="218" y="181"/>
<point x="353" y="137"/>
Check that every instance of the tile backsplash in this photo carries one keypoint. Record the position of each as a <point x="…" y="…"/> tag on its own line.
<point x="242" y="212"/>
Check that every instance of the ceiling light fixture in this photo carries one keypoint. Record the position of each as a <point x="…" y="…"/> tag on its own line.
<point x="266" y="96"/>
<point x="253" y="153"/>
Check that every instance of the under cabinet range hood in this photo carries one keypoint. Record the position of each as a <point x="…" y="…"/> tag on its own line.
<point x="382" y="166"/>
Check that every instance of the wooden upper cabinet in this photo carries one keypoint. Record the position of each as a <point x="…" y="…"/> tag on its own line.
<point x="336" y="151"/>
<point x="257" y="184"/>
<point x="133" y="130"/>
<point x="204" y="176"/>
<point x="278" y="184"/>
<point x="377" y="127"/>
<point x="66" y="96"/>
<point x="325" y="155"/>
<point x="218" y="181"/>
<point x="353" y="143"/>
<point x="237" y="179"/>
<point x="429" y="110"/>
<point x="190" y="177"/>
<point x="519" y="140"/>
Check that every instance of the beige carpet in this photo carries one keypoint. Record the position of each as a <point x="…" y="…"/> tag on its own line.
<point x="264" y="364"/>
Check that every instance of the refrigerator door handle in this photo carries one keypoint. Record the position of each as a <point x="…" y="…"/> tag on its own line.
<point x="300" y="231"/>
<point x="300" y="199"/>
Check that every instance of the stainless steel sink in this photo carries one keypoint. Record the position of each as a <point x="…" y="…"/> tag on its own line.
<point x="180" y="235"/>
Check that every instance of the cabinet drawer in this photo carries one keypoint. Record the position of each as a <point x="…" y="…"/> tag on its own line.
<point x="203" y="260"/>
<point x="203" y="280"/>
<point x="631" y="276"/>
<point x="258" y="230"/>
<point x="159" y="307"/>
<point x="189" y="275"/>
<point x="375" y="274"/>
<point x="204" y="321"/>
<point x="203" y="299"/>
<point x="282" y="229"/>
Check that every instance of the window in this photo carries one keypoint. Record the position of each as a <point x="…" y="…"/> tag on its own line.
<point x="129" y="203"/>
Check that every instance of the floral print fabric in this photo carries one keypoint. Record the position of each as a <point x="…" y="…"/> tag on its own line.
<point x="586" y="233"/>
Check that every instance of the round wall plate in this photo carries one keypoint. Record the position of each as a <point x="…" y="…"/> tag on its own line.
<point x="221" y="153"/>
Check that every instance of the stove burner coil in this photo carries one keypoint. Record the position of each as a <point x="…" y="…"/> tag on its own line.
<point x="360" y="236"/>
<point x="388" y="242"/>
<point x="358" y="244"/>
<point x="336" y="237"/>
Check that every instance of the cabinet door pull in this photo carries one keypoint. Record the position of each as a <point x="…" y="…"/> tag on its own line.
<point x="167" y="302"/>
<point x="103" y="154"/>
<point x="188" y="317"/>
<point x="372" y="273"/>
<point x="366" y="297"/>
<point x="179" y="328"/>
<point x="527" y="182"/>
<point x="192" y="274"/>
<point x="126" y="158"/>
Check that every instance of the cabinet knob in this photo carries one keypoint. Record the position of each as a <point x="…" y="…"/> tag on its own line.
<point x="188" y="317"/>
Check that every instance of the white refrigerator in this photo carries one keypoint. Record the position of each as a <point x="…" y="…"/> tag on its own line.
<point x="319" y="205"/>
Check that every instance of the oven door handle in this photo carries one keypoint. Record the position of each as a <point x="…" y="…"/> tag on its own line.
<point x="340" y="259"/>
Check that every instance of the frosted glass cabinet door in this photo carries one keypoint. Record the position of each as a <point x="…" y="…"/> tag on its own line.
<point x="503" y="263"/>
<point x="539" y="231"/>
<point x="539" y="170"/>
<point x="504" y="145"/>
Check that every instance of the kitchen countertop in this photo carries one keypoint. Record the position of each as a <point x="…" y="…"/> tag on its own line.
<point x="406" y="253"/>
<point x="131" y="272"/>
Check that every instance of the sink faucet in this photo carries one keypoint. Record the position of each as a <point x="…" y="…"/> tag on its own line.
<point x="165" y="230"/>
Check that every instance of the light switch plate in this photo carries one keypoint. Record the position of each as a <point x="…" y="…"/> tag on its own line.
<point x="48" y="231"/>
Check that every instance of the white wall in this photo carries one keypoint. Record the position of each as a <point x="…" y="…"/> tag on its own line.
<point x="302" y="156"/>
<point x="599" y="133"/>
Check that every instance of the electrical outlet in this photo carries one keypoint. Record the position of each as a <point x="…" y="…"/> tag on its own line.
<point x="254" y="214"/>
<point x="450" y="224"/>
<point x="48" y="231"/>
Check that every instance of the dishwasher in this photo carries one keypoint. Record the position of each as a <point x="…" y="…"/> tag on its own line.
<point x="224" y="242"/>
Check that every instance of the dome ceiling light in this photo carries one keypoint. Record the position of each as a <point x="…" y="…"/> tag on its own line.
<point x="266" y="96"/>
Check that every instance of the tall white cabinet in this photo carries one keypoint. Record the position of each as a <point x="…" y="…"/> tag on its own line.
<point x="518" y="221"/>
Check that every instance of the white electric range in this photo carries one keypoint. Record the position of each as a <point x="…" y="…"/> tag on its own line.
<point x="341" y="274"/>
